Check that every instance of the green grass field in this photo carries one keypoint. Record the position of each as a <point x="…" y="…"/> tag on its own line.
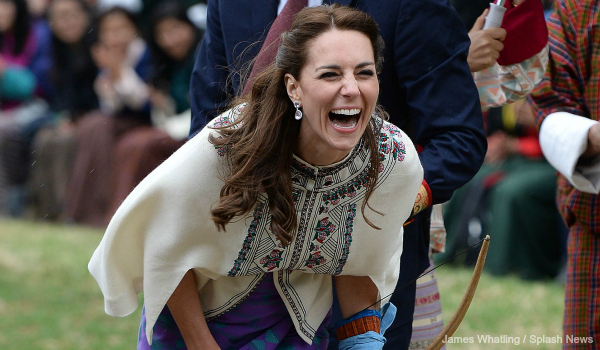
<point x="48" y="300"/>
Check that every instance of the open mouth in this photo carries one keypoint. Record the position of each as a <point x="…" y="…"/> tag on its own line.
<point x="345" y="118"/>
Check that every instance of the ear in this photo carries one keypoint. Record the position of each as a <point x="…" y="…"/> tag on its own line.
<point x="294" y="90"/>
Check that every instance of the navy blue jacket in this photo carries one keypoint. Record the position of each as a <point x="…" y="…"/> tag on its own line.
<point x="425" y="86"/>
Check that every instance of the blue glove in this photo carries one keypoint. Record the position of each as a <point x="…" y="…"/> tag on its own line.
<point x="370" y="340"/>
<point x="366" y="341"/>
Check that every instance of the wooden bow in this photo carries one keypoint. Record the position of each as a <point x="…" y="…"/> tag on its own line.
<point x="460" y="313"/>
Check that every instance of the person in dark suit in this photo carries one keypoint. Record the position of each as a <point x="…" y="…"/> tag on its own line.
<point x="425" y="86"/>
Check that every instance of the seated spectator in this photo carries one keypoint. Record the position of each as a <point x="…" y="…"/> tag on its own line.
<point x="24" y="62"/>
<point x="71" y="76"/>
<point x="510" y="199"/>
<point x="37" y="8"/>
<point x="173" y="42"/>
<point x="124" y="62"/>
<point x="521" y="211"/>
<point x="196" y="9"/>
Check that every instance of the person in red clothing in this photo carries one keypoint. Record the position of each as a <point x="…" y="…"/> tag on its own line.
<point x="567" y="110"/>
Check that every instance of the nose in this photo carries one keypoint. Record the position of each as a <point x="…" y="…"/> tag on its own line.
<point x="350" y="87"/>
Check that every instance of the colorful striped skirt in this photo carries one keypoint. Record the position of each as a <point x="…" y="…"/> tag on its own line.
<point x="427" y="319"/>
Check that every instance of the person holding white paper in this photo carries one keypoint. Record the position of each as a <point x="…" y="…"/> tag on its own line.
<point x="567" y="111"/>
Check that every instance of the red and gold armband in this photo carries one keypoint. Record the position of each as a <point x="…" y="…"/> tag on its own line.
<point x="424" y="198"/>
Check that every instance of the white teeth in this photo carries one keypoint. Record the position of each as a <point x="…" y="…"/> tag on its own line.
<point x="350" y="126"/>
<point x="352" y="111"/>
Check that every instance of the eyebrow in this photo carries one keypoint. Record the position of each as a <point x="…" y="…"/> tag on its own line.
<point x="335" y="66"/>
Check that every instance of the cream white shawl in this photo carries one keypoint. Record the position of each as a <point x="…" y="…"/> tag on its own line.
<point x="163" y="229"/>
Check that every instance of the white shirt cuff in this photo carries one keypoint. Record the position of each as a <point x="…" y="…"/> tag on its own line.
<point x="563" y="139"/>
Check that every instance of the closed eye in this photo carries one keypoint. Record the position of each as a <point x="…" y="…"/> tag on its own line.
<point x="328" y="75"/>
<point x="366" y="72"/>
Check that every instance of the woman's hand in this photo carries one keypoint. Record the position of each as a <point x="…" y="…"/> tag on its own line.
<point x="184" y="305"/>
<point x="518" y="2"/>
<point x="158" y="98"/>
<point x="485" y="45"/>
<point x="111" y="59"/>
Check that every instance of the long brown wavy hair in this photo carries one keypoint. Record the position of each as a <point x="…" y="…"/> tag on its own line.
<point x="262" y="138"/>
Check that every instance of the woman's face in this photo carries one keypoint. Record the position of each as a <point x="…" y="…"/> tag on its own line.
<point x="8" y="13"/>
<point x="174" y="37"/>
<point x="37" y="7"/>
<point x="338" y="90"/>
<point x="116" y="31"/>
<point x="68" y="20"/>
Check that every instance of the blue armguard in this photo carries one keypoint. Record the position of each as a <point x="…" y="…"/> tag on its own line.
<point x="369" y="340"/>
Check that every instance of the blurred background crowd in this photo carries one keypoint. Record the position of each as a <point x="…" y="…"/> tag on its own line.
<point x="95" y="95"/>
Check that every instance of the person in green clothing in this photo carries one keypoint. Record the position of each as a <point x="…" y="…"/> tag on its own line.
<point x="173" y="43"/>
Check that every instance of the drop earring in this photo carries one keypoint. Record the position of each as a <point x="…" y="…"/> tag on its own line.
<point x="298" y="114"/>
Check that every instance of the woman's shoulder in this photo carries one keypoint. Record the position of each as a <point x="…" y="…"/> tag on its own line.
<point x="227" y="118"/>
<point x="391" y="129"/>
<point x="393" y="141"/>
<point x="210" y="132"/>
